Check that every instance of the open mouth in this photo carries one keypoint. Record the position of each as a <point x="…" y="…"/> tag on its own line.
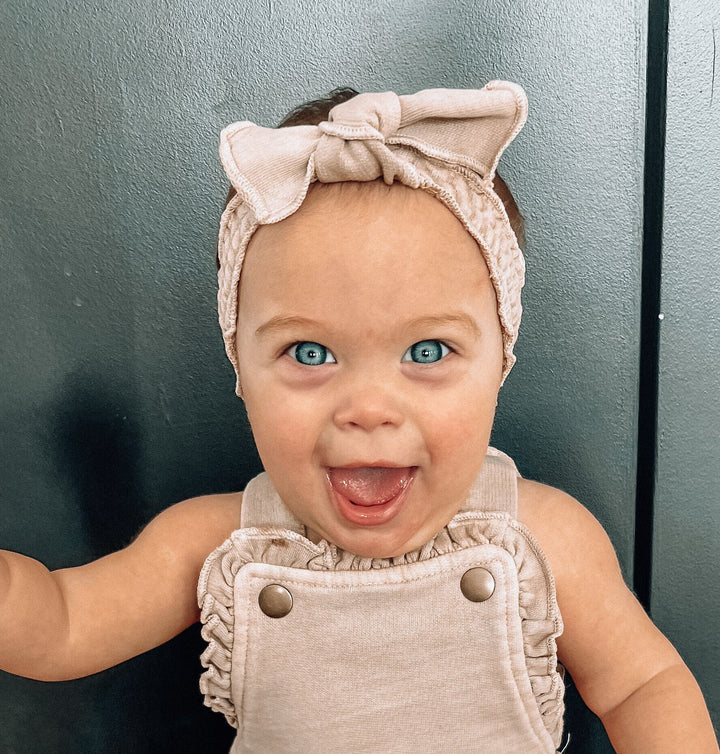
<point x="370" y="495"/>
<point x="370" y="485"/>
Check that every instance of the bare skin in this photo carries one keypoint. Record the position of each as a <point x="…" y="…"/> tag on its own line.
<point x="366" y="308"/>
<point x="626" y="671"/>
<point x="77" y="621"/>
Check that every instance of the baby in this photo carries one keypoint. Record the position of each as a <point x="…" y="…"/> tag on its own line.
<point x="390" y="583"/>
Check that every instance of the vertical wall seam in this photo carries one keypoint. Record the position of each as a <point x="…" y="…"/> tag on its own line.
<point x="653" y="201"/>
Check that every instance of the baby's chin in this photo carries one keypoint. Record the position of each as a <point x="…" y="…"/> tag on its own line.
<point x="373" y="544"/>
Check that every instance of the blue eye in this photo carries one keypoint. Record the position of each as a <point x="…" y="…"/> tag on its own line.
<point x="310" y="354"/>
<point x="426" y="352"/>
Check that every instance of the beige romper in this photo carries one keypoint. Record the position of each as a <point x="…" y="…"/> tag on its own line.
<point x="449" y="648"/>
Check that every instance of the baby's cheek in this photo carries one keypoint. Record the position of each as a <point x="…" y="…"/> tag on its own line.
<point x="291" y="425"/>
<point x="468" y="430"/>
<point x="278" y="431"/>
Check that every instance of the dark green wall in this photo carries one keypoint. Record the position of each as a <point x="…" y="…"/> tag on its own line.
<point x="117" y="399"/>
<point x="685" y="573"/>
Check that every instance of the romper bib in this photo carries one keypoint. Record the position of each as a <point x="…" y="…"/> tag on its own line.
<point x="448" y="648"/>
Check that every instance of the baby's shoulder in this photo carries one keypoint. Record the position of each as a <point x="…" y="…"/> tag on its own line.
<point x="566" y="530"/>
<point x="541" y="506"/>
<point x="221" y="507"/>
<point x="609" y="645"/>
<point x="205" y="521"/>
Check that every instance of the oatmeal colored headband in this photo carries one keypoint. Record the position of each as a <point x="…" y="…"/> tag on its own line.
<point x="444" y="141"/>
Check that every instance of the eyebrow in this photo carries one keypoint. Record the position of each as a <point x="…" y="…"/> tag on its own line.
<point x="461" y="319"/>
<point x="284" y="322"/>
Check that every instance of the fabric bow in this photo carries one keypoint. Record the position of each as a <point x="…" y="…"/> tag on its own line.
<point x="365" y="138"/>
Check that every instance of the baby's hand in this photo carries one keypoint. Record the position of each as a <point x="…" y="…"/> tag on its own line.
<point x="627" y="672"/>
<point x="74" y="622"/>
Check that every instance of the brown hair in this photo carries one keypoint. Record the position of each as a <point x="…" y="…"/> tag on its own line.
<point x="316" y="111"/>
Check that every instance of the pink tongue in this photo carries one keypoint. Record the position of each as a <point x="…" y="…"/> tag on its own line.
<point x="369" y="485"/>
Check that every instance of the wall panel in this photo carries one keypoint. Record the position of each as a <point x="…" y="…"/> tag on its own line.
<point x="117" y="399"/>
<point x="687" y="505"/>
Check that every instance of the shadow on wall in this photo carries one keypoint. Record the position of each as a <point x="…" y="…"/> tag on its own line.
<point x="96" y="446"/>
<point x="150" y="703"/>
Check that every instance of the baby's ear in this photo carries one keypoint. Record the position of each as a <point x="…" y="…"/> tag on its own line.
<point x="229" y="196"/>
<point x="231" y="193"/>
<point x="238" y="373"/>
<point x="517" y="221"/>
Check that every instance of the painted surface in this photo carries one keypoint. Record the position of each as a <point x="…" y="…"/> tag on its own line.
<point x="687" y="521"/>
<point x="116" y="396"/>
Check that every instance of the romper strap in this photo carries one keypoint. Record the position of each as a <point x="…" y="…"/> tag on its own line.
<point x="262" y="506"/>
<point x="495" y="488"/>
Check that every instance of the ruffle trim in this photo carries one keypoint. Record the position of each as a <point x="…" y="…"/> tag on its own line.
<point x="541" y="622"/>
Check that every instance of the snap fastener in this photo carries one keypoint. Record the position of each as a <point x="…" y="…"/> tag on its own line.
<point x="477" y="584"/>
<point x="275" y="601"/>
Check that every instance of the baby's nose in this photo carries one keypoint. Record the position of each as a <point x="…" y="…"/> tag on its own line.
<point x="368" y="407"/>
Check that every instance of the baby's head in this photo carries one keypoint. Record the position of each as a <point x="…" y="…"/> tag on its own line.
<point x="369" y="334"/>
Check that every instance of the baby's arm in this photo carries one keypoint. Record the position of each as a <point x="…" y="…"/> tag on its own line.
<point x="73" y="622"/>
<point x="627" y="672"/>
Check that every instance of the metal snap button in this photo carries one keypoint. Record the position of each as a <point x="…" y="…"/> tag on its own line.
<point x="477" y="584"/>
<point x="275" y="601"/>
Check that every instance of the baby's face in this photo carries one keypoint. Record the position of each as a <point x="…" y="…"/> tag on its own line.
<point x="369" y="337"/>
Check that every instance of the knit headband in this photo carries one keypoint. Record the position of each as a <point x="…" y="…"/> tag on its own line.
<point x="444" y="141"/>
